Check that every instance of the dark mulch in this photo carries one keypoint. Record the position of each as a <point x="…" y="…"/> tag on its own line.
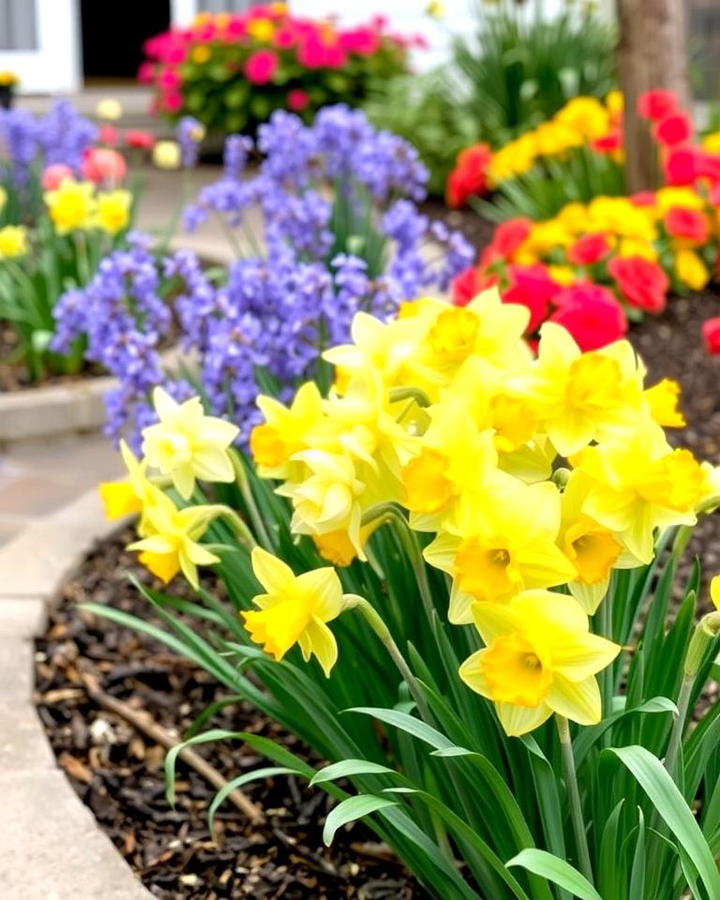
<point x="118" y="773"/>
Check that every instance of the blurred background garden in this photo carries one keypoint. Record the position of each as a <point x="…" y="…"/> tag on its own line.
<point x="200" y="195"/>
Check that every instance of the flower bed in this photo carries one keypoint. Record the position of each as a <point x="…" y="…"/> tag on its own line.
<point x="62" y="207"/>
<point x="233" y="71"/>
<point x="598" y="263"/>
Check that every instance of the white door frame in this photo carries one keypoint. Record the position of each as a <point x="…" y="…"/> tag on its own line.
<point x="55" y="64"/>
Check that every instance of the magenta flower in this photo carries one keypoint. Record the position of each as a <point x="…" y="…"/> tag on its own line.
<point x="260" y="66"/>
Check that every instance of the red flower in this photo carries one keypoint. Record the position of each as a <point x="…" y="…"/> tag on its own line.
<point x="687" y="223"/>
<point x="297" y="99"/>
<point x="591" y="314"/>
<point x="682" y="166"/>
<point x="468" y="284"/>
<point x="109" y="135"/>
<point x="469" y="175"/>
<point x="609" y="142"/>
<point x="642" y="283"/>
<point x="531" y="286"/>
<point x="711" y="335"/>
<point x="260" y="66"/>
<point x="656" y="104"/>
<point x="588" y="249"/>
<point x="509" y="235"/>
<point x="140" y="140"/>
<point x="643" y="198"/>
<point x="673" y="129"/>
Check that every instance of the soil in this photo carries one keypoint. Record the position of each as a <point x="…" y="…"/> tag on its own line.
<point x="118" y="772"/>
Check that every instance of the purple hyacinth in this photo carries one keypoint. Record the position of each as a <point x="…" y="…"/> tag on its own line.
<point x="189" y="133"/>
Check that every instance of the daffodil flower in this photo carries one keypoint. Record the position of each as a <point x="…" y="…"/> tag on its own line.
<point x="188" y="445"/>
<point x="500" y="542"/>
<point x="123" y="498"/>
<point x="540" y="658"/>
<point x="295" y="610"/>
<point x="283" y="434"/>
<point x="170" y="544"/>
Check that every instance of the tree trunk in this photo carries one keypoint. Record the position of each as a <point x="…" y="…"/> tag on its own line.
<point x="651" y="54"/>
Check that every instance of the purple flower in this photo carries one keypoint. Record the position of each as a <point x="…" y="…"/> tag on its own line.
<point x="189" y="133"/>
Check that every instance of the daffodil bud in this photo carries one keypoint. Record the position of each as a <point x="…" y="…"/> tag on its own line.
<point x="706" y="631"/>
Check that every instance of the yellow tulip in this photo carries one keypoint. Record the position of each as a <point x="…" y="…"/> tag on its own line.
<point x="167" y="155"/>
<point x="691" y="270"/>
<point x="540" y="658"/>
<point x="109" y="109"/>
<point x="294" y="610"/>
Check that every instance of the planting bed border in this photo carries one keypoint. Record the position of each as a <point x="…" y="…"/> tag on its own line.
<point x="51" y="847"/>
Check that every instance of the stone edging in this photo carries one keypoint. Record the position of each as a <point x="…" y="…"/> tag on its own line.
<point x="51" y="847"/>
<point x="58" y="409"/>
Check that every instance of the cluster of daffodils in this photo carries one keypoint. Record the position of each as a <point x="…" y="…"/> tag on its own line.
<point x="536" y="477"/>
<point x="79" y="205"/>
<point x="183" y="446"/>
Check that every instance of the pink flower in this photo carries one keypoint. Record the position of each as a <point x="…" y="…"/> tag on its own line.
<point x="109" y="135"/>
<point x="261" y="66"/>
<point x="173" y="101"/>
<point x="169" y="78"/>
<point x="533" y="287"/>
<point x="145" y="73"/>
<point x="54" y="176"/>
<point x="711" y="335"/>
<point x="297" y="99"/>
<point x="682" y="165"/>
<point x="101" y="165"/>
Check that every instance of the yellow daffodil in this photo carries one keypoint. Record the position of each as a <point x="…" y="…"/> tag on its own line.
<point x="592" y="548"/>
<point x="72" y="205"/>
<point x="13" y="241"/>
<point x="123" y="498"/>
<point x="113" y="210"/>
<point x="662" y="402"/>
<point x="186" y="444"/>
<point x="715" y="591"/>
<point x="109" y="109"/>
<point x="171" y="541"/>
<point x="295" y="610"/>
<point x="451" y="454"/>
<point x="540" y="658"/>
<point x="167" y="155"/>
<point x="641" y="483"/>
<point x="328" y="498"/>
<point x="282" y="435"/>
<point x="500" y="541"/>
<point x="580" y="396"/>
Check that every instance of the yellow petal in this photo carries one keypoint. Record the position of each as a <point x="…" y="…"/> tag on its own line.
<point x="583" y="655"/>
<point x="119" y="499"/>
<point x="272" y="573"/>
<point x="715" y="591"/>
<point x="164" y="565"/>
<point x="323" y="644"/>
<point x="518" y="720"/>
<point x="578" y="701"/>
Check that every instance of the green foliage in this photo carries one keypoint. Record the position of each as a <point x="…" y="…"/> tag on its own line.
<point x="474" y="814"/>
<point x="577" y="177"/>
<point x="521" y="66"/>
<point x="425" y="111"/>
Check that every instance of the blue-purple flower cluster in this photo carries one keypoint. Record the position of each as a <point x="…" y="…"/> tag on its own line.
<point x="340" y="233"/>
<point x="27" y="141"/>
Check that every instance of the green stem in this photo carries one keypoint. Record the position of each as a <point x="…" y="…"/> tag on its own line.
<point x="252" y="508"/>
<point x="388" y="512"/>
<point x="683" y="704"/>
<point x="375" y="621"/>
<point x="607" y="680"/>
<point x="574" y="797"/>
